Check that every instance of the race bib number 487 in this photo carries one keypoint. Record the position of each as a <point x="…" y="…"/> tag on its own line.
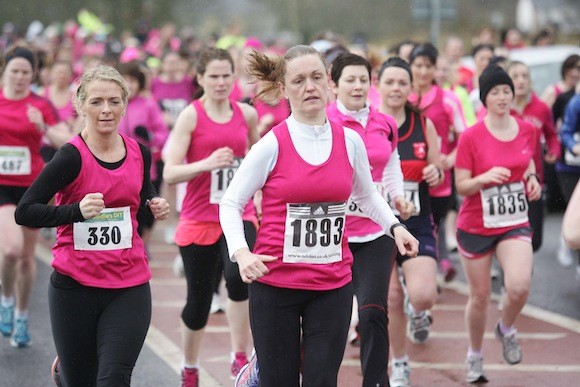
<point x="314" y="232"/>
<point x="110" y="230"/>
<point x="15" y="160"/>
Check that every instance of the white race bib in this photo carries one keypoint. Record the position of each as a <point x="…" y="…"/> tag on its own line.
<point x="411" y="189"/>
<point x="314" y="233"/>
<point x="352" y="209"/>
<point x="504" y="205"/>
<point x="15" y="160"/>
<point x="221" y="179"/>
<point x="110" y="230"/>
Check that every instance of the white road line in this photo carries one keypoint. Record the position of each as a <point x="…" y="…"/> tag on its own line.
<point x="159" y="343"/>
<point x="529" y="310"/>
<point x="455" y="366"/>
<point x="164" y="347"/>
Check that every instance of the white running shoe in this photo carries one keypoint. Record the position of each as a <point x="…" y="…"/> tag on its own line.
<point x="178" y="266"/>
<point x="400" y="375"/>
<point x="475" y="372"/>
<point x="565" y="254"/>
<point x="216" y="305"/>
<point x="512" y="352"/>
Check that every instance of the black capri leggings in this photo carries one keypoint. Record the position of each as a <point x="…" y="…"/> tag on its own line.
<point x="299" y="330"/>
<point x="371" y="273"/>
<point x="201" y="265"/>
<point x="98" y="333"/>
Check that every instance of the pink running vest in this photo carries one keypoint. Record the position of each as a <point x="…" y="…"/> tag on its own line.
<point x="113" y="268"/>
<point x="318" y="188"/>
<point x="208" y="136"/>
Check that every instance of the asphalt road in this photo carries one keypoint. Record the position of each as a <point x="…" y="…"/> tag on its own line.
<point x="554" y="289"/>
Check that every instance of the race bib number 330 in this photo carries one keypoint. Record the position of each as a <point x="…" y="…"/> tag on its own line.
<point x="314" y="232"/>
<point x="110" y="230"/>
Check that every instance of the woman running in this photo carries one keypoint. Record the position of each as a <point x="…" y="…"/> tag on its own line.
<point x="420" y="157"/>
<point x="528" y="107"/>
<point x="496" y="183"/>
<point x="212" y="135"/>
<point x="25" y="118"/>
<point x="568" y="167"/>
<point x="372" y="250"/>
<point x="449" y="124"/>
<point x="99" y="294"/>
<point x="143" y="122"/>
<point x="300" y="269"/>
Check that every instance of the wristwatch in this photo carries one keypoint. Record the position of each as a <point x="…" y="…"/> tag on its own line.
<point x="397" y="225"/>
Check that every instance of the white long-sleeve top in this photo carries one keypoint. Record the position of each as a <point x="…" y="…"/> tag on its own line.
<point x="313" y="144"/>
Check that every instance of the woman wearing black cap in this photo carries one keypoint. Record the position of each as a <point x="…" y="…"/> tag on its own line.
<point x="24" y="119"/>
<point x="495" y="172"/>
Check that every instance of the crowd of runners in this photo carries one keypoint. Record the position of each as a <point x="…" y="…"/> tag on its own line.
<point x="326" y="183"/>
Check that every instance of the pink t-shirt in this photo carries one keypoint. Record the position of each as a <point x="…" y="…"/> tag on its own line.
<point x="279" y="112"/>
<point x="478" y="151"/>
<point x="21" y="162"/>
<point x="317" y="188"/>
<point x="537" y="113"/>
<point x="145" y="113"/>
<point x="173" y="97"/>
<point x="113" y="255"/>
<point x="380" y="137"/>
<point x="67" y="112"/>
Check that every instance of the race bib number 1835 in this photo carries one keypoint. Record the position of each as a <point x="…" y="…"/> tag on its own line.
<point x="504" y="205"/>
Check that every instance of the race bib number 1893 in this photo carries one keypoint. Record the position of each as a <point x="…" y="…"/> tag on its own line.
<point x="314" y="233"/>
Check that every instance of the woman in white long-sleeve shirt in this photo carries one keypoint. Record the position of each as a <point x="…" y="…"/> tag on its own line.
<point x="300" y="270"/>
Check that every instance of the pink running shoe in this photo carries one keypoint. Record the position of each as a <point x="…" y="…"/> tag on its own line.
<point x="447" y="269"/>
<point x="189" y="377"/>
<point x="240" y="359"/>
<point x="249" y="376"/>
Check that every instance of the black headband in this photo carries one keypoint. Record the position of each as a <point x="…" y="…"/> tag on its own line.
<point x="20" y="52"/>
<point x="396" y="62"/>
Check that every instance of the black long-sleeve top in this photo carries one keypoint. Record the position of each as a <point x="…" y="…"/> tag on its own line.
<point x="63" y="169"/>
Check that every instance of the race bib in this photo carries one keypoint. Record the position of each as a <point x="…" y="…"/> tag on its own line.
<point x="221" y="179"/>
<point x="352" y="209"/>
<point x="110" y="230"/>
<point x="504" y="205"/>
<point x="411" y="189"/>
<point x="15" y="160"/>
<point x="314" y="232"/>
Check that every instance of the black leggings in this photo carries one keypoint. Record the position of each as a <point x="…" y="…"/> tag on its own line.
<point x="98" y="333"/>
<point x="536" y="217"/>
<point x="201" y="265"/>
<point x="280" y="317"/>
<point x="371" y="273"/>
